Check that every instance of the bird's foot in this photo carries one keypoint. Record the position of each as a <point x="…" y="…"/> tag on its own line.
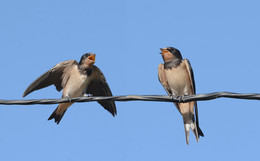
<point x="88" y="95"/>
<point x="68" y="98"/>
<point x="179" y="98"/>
<point x="174" y="97"/>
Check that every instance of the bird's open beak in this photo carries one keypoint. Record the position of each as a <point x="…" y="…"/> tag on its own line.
<point x="92" y="57"/>
<point x="164" y="50"/>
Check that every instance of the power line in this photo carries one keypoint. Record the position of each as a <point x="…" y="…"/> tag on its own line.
<point x="157" y="98"/>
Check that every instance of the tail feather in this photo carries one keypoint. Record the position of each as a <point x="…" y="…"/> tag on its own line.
<point x="187" y="127"/>
<point x="187" y="132"/>
<point x="200" y="133"/>
<point x="57" y="116"/>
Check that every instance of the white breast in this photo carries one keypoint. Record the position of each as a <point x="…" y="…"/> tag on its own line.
<point x="76" y="85"/>
<point x="178" y="80"/>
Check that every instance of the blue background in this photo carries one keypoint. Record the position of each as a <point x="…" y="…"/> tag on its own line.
<point x="220" y="38"/>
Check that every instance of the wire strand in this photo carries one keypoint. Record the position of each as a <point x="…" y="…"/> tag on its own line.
<point x="157" y="98"/>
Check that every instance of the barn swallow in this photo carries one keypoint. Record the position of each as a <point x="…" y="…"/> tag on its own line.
<point x="176" y="76"/>
<point x="76" y="80"/>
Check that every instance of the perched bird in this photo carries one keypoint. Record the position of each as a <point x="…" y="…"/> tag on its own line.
<point x="177" y="78"/>
<point x="76" y="80"/>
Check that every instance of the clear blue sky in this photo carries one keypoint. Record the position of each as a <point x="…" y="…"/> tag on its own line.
<point x="221" y="39"/>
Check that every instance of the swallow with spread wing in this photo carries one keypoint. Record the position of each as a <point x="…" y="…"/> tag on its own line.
<point x="76" y="80"/>
<point x="177" y="78"/>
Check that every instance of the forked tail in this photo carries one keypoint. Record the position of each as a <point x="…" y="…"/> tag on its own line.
<point x="56" y="116"/>
<point x="187" y="127"/>
<point x="59" y="112"/>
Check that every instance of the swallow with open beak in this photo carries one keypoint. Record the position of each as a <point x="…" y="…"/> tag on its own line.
<point x="76" y="80"/>
<point x="176" y="76"/>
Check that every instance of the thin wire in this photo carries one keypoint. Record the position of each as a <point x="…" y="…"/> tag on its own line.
<point x="157" y="98"/>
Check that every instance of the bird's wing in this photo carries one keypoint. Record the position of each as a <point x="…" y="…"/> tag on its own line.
<point x="164" y="82"/>
<point x="58" y="75"/>
<point x="163" y="79"/>
<point x="190" y="71"/>
<point x="98" y="87"/>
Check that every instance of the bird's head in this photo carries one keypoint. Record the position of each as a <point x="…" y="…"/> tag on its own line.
<point x="170" y="53"/>
<point x="87" y="60"/>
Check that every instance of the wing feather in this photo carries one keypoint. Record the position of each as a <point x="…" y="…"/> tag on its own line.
<point x="190" y="71"/>
<point x="54" y="76"/>
<point x="189" y="68"/>
<point x="163" y="79"/>
<point x="99" y="87"/>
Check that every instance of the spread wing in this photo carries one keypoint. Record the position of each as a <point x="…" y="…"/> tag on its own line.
<point x="163" y="79"/>
<point x="99" y="87"/>
<point x="56" y="75"/>
<point x="189" y="68"/>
